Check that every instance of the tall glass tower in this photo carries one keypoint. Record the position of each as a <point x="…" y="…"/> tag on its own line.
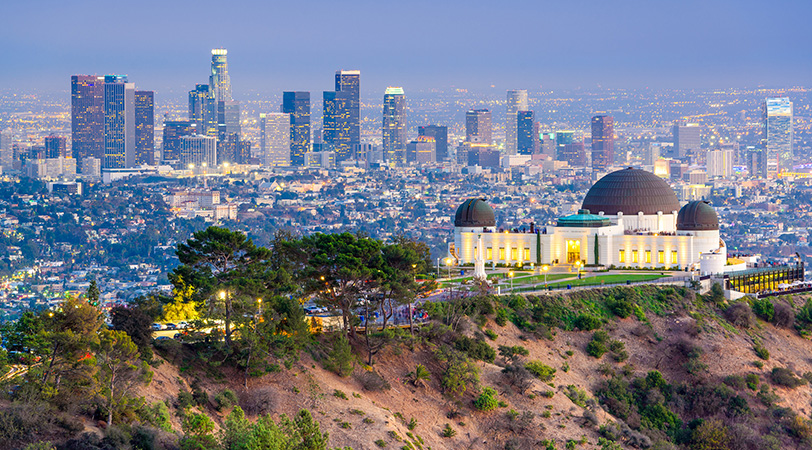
<point x="119" y="122"/>
<point x="144" y="127"/>
<point x="603" y="142"/>
<point x="87" y="116"/>
<point x="219" y="80"/>
<point x="516" y="101"/>
<point x="297" y="104"/>
<point x="394" y="122"/>
<point x="203" y="109"/>
<point x="777" y="134"/>
<point x="348" y="83"/>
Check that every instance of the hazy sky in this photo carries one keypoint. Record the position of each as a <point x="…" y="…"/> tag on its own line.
<point x="298" y="44"/>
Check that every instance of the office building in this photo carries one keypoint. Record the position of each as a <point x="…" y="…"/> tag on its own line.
<point x="173" y="131"/>
<point x="478" y="126"/>
<point x="87" y="116"/>
<point x="349" y="82"/>
<point x="548" y="144"/>
<point x="756" y="162"/>
<point x="686" y="139"/>
<point x="198" y="151"/>
<point x="719" y="163"/>
<point x="394" y="121"/>
<point x="483" y="156"/>
<point x="275" y="134"/>
<point x="6" y="151"/>
<point x="90" y="167"/>
<point x="144" y="128"/>
<point x="527" y="140"/>
<point x="119" y="122"/>
<point x="603" y="142"/>
<point x="777" y="134"/>
<point x="203" y="109"/>
<point x="440" y="135"/>
<point x="324" y="160"/>
<point x="421" y="151"/>
<point x="219" y="80"/>
<point x="297" y="104"/>
<point x="56" y="147"/>
<point x="516" y="101"/>
<point x="336" y="124"/>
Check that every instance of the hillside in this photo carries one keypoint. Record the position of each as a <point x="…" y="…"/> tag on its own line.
<point x="678" y="380"/>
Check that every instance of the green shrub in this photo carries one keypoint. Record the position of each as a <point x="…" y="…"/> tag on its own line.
<point x="475" y="348"/>
<point x="752" y="380"/>
<point x="340" y="357"/>
<point x="761" y="352"/>
<point x="340" y="394"/>
<point x="764" y="309"/>
<point x="448" y="431"/>
<point x="784" y="377"/>
<point x="598" y="345"/>
<point x="542" y="371"/>
<point x="486" y="401"/>
<point x="380" y="443"/>
<point x="577" y="396"/>
<point x="185" y="399"/>
<point x="491" y="334"/>
<point x="225" y="399"/>
<point x="501" y="317"/>
<point x="620" y="307"/>
<point x="804" y="315"/>
<point x="587" y="322"/>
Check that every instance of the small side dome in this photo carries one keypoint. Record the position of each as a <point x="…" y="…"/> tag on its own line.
<point x="474" y="212"/>
<point x="697" y="216"/>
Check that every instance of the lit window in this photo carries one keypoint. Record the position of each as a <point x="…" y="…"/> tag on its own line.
<point x="661" y="257"/>
<point x="514" y="253"/>
<point x="502" y="253"/>
<point x="634" y="256"/>
<point x="673" y="257"/>
<point x="490" y="253"/>
<point x="526" y="254"/>
<point x="648" y="256"/>
<point x="622" y="256"/>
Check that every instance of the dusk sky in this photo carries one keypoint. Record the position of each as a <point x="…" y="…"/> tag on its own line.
<point x="298" y="45"/>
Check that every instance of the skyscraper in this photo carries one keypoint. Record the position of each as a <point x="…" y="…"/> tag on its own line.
<point x="777" y="134"/>
<point x="219" y="81"/>
<point x="203" y="109"/>
<point x="199" y="150"/>
<point x="440" y="135"/>
<point x="686" y="138"/>
<point x="55" y="147"/>
<point x="478" y="126"/>
<point x="119" y="122"/>
<point x="349" y="82"/>
<point x="719" y="163"/>
<point x="526" y="135"/>
<point x="603" y="142"/>
<point x="144" y="128"/>
<point x="335" y="124"/>
<point x="394" y="121"/>
<point x="173" y="131"/>
<point x="297" y="104"/>
<point x="275" y="135"/>
<point x="516" y="101"/>
<point x="87" y="116"/>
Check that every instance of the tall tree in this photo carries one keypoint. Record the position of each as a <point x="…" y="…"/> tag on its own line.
<point x="226" y="269"/>
<point x="119" y="368"/>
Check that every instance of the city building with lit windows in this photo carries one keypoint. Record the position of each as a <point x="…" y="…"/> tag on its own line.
<point x="629" y="218"/>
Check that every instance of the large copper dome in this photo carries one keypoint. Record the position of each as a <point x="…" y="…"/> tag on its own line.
<point x="474" y="212"/>
<point x="697" y="216"/>
<point x="631" y="191"/>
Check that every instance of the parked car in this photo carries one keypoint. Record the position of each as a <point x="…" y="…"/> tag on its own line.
<point x="183" y="324"/>
<point x="157" y="327"/>
<point x="171" y="326"/>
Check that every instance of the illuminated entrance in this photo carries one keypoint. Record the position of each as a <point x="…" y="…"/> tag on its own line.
<point x="573" y="251"/>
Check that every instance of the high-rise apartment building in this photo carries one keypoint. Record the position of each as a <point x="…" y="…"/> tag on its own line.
<point x="516" y="101"/>
<point x="173" y="131"/>
<point x="87" y="116"/>
<point x="603" y="142"/>
<point x="144" y="128"/>
<point x="394" y="121"/>
<point x="719" y="163"/>
<point x="203" y="109"/>
<point x="686" y="138"/>
<point x="56" y="147"/>
<point x="777" y="134"/>
<point x="275" y="135"/>
<point x="219" y="80"/>
<point x="297" y="104"/>
<point x="119" y="122"/>
<point x="198" y="150"/>
<point x="440" y="135"/>
<point x="527" y="139"/>
<point x="478" y="126"/>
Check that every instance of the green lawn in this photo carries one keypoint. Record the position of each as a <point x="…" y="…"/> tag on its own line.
<point x="601" y="279"/>
<point x="540" y="278"/>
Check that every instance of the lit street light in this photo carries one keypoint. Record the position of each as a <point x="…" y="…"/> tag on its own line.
<point x="544" y="269"/>
<point x="510" y="275"/>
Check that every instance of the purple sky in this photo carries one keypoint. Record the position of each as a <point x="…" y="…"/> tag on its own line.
<point x="298" y="44"/>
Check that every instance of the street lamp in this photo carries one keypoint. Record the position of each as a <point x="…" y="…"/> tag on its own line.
<point x="510" y="275"/>
<point x="448" y="265"/>
<point x="414" y="272"/>
<point x="544" y="269"/>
